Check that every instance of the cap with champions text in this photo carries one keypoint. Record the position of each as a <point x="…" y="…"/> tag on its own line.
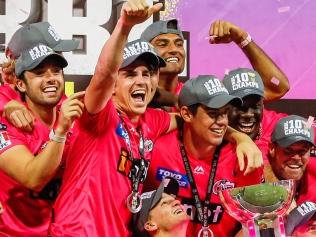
<point x="31" y="58"/>
<point x="32" y="34"/>
<point x="161" y="27"/>
<point x="141" y="49"/>
<point x="300" y="215"/>
<point x="242" y="82"/>
<point x="292" y="129"/>
<point x="207" y="90"/>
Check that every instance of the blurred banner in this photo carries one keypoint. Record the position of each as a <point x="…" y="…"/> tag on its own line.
<point x="285" y="29"/>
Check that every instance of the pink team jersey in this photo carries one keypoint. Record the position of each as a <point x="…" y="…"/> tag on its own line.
<point x="7" y="94"/>
<point x="177" y="92"/>
<point x="178" y="88"/>
<point x="306" y="190"/>
<point x="95" y="183"/>
<point x="269" y="120"/>
<point x="26" y="213"/>
<point x="167" y="161"/>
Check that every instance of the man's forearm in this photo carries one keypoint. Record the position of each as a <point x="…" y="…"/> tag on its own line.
<point x="102" y="83"/>
<point x="275" y="81"/>
<point x="43" y="167"/>
<point x="233" y="136"/>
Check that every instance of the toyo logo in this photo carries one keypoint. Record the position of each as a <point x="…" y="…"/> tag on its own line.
<point x="181" y="178"/>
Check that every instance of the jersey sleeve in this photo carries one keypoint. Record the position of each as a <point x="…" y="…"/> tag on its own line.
<point x="97" y="123"/>
<point x="10" y="137"/>
<point x="7" y="94"/>
<point x="158" y="121"/>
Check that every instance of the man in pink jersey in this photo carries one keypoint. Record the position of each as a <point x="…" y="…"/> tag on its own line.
<point x="251" y="118"/>
<point x="108" y="160"/>
<point x="171" y="49"/>
<point x="301" y="221"/>
<point x="194" y="156"/>
<point x="29" y="160"/>
<point x="167" y="38"/>
<point x="289" y="155"/>
<point x="24" y="38"/>
<point x="290" y="146"/>
<point x="161" y="214"/>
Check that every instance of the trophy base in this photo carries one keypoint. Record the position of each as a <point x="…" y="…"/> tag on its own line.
<point x="273" y="228"/>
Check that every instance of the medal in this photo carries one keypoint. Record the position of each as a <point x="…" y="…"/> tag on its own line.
<point x="134" y="202"/>
<point x="138" y="171"/>
<point x="205" y="232"/>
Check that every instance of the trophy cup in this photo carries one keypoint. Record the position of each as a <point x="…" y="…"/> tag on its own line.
<point x="260" y="208"/>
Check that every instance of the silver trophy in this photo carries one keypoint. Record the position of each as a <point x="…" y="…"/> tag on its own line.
<point x="260" y="208"/>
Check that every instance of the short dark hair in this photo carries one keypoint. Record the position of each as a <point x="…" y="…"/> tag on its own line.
<point x="193" y="108"/>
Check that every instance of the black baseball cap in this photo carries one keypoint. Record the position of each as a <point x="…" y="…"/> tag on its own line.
<point x="149" y="201"/>
<point x="32" y="34"/>
<point x="141" y="49"/>
<point x="207" y="90"/>
<point x="31" y="58"/>
<point x="292" y="129"/>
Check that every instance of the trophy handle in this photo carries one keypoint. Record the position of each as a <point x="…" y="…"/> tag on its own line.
<point x="250" y="230"/>
<point x="279" y="226"/>
<point x="276" y="230"/>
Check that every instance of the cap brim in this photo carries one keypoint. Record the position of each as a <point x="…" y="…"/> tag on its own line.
<point x="61" y="61"/>
<point x="149" y="57"/>
<point x="222" y="100"/>
<point x="167" y="185"/>
<point x="287" y="141"/>
<point x="66" y="45"/>
<point x="245" y="92"/>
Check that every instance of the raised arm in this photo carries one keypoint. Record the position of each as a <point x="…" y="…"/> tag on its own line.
<point x="102" y="83"/>
<point x="275" y="81"/>
<point x="35" y="171"/>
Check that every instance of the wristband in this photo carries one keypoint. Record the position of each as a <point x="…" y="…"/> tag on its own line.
<point x="245" y="42"/>
<point x="56" y="138"/>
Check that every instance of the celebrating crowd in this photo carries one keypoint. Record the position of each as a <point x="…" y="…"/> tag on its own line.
<point x="139" y="153"/>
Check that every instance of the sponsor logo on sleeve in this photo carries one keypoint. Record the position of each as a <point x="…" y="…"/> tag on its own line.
<point x="4" y="140"/>
<point x="181" y="178"/>
<point x="3" y="127"/>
